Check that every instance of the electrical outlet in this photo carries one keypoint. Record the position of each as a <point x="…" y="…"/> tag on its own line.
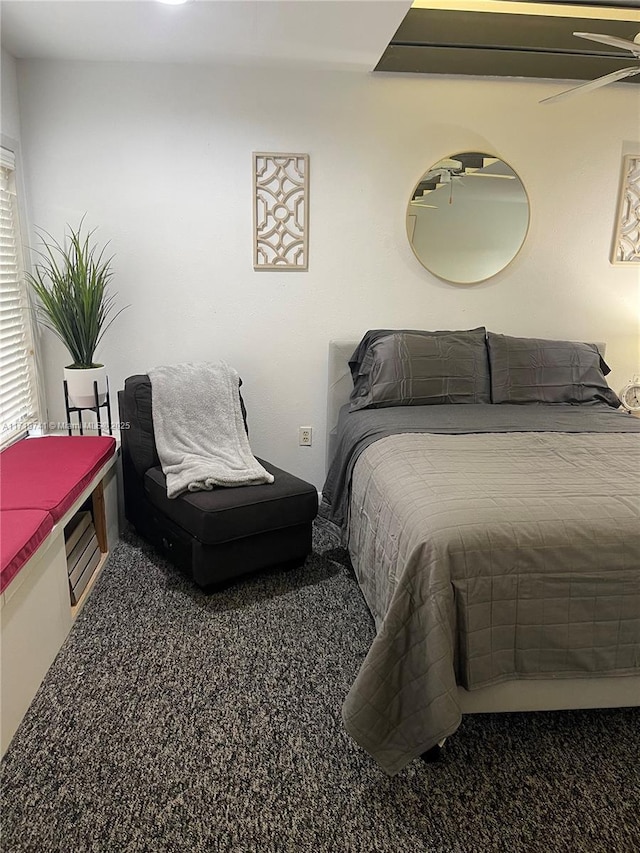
<point x="304" y="436"/>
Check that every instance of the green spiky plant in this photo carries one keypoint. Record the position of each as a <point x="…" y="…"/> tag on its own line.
<point x="71" y="282"/>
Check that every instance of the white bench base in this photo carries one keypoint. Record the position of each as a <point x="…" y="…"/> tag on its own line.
<point x="36" y="613"/>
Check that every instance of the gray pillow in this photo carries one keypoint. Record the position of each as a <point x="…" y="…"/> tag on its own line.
<point x="373" y="335"/>
<point x="534" y="370"/>
<point x="417" y="368"/>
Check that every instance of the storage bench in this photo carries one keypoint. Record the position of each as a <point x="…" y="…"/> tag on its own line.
<point x="43" y="483"/>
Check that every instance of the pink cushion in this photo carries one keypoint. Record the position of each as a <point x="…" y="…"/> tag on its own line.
<point x="50" y="473"/>
<point x="21" y="532"/>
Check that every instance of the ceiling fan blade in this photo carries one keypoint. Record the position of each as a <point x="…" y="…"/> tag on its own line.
<point x="593" y="84"/>
<point x="613" y="41"/>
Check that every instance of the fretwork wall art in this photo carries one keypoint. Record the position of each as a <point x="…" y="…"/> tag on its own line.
<point x="626" y="245"/>
<point x="280" y="211"/>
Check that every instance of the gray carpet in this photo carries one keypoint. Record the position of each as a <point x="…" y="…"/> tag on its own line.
<point x="176" y="721"/>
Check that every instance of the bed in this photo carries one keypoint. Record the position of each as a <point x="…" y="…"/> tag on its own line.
<point x="496" y="544"/>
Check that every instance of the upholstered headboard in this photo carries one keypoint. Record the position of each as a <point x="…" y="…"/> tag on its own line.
<point x="340" y="385"/>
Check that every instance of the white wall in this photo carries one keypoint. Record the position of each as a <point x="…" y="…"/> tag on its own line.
<point x="10" y="113"/>
<point x="159" y="157"/>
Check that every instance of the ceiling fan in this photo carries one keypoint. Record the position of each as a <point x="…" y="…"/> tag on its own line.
<point x="632" y="46"/>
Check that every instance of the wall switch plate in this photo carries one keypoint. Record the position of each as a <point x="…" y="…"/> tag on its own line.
<point x="304" y="436"/>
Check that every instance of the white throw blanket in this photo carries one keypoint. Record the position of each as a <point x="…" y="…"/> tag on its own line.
<point x="199" y="429"/>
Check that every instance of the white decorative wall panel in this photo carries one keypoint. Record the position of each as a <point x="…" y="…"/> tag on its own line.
<point x="627" y="242"/>
<point x="280" y="210"/>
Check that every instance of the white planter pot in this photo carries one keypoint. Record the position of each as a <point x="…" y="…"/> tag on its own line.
<point x="80" y="386"/>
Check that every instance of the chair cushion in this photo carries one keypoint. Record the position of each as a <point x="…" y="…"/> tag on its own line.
<point x="49" y="473"/>
<point x="21" y="533"/>
<point x="224" y="514"/>
<point x="140" y="435"/>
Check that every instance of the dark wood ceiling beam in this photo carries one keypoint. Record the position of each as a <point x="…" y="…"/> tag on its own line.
<point x="432" y="41"/>
<point x="537" y="32"/>
<point x="605" y="4"/>
<point x="497" y="63"/>
<point x="606" y="54"/>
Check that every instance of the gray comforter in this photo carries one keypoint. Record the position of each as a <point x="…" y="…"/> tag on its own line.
<point x="508" y="549"/>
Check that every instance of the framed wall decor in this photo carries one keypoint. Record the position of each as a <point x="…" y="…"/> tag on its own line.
<point x="626" y="243"/>
<point x="280" y="211"/>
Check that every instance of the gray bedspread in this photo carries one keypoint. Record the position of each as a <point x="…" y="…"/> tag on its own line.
<point x="357" y="430"/>
<point x="489" y="545"/>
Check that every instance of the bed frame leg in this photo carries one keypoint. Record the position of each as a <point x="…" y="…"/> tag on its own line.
<point x="433" y="755"/>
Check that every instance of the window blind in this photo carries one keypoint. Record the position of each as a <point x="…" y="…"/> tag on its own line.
<point x="18" y="397"/>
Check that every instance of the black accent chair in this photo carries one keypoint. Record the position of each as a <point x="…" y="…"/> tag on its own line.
<point x="211" y="535"/>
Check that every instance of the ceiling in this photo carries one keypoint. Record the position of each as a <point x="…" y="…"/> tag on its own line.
<point x="521" y="38"/>
<point x="339" y="34"/>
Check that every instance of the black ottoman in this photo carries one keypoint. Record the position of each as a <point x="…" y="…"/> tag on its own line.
<point x="212" y="535"/>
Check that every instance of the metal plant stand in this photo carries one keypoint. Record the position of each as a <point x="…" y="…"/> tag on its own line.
<point x="96" y="409"/>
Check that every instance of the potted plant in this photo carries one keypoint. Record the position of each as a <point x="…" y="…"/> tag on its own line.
<point x="70" y="282"/>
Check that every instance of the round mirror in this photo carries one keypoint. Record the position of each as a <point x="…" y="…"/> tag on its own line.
<point x="467" y="217"/>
